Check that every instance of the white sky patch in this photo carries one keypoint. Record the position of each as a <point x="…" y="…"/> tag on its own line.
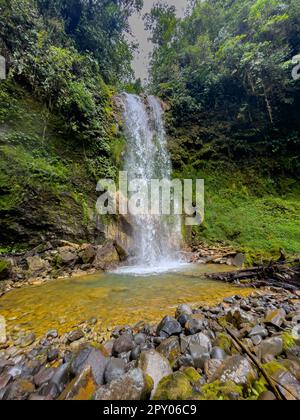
<point x="142" y="56"/>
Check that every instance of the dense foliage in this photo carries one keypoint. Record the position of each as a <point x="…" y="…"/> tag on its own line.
<point x="67" y="52"/>
<point x="65" y="59"/>
<point x="226" y="69"/>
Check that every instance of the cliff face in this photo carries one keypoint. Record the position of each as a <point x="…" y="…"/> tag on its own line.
<point x="47" y="190"/>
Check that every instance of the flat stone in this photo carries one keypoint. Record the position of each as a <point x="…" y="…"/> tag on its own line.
<point x="237" y="369"/>
<point x="275" y="317"/>
<point x="114" y="370"/>
<point x="267" y="396"/>
<point x="258" y="330"/>
<point x="200" y="339"/>
<point x="155" y="365"/>
<point x="132" y="386"/>
<point x="289" y="385"/>
<point x="75" y="335"/>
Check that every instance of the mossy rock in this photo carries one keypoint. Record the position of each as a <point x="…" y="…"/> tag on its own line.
<point x="5" y="269"/>
<point x="173" y="388"/>
<point x="224" y="342"/>
<point x="192" y="375"/>
<point x="149" y="385"/>
<point x="288" y="341"/>
<point x="221" y="391"/>
<point x="260" y="385"/>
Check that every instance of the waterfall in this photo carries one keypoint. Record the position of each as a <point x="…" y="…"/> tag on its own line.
<point x="156" y="237"/>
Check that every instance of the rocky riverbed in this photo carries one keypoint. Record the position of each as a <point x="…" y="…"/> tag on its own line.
<point x="243" y="348"/>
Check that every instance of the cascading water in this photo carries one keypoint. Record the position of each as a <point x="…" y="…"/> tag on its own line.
<point x="157" y="238"/>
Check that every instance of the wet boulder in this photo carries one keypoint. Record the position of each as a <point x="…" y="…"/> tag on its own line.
<point x="132" y="386"/>
<point x="168" y="326"/>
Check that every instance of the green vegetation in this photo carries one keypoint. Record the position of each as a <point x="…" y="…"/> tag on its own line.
<point x="249" y="209"/>
<point x="65" y="60"/>
<point x="225" y="71"/>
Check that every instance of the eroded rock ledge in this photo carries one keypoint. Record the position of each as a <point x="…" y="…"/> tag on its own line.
<point x="191" y="356"/>
<point x="57" y="259"/>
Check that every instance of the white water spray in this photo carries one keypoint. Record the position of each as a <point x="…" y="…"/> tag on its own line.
<point x="157" y="238"/>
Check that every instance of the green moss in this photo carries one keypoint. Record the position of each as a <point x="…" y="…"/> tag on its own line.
<point x="174" y="387"/>
<point x="149" y="384"/>
<point x="288" y="341"/>
<point x="224" y="342"/>
<point x="192" y="375"/>
<point x="218" y="391"/>
<point x="261" y="385"/>
<point x="273" y="367"/>
<point x="5" y="267"/>
<point x="247" y="208"/>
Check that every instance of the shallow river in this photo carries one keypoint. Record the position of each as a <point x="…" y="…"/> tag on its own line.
<point x="113" y="298"/>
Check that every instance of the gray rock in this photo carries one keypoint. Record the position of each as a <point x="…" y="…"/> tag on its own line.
<point x="27" y="340"/>
<point x="170" y="348"/>
<point x="139" y="338"/>
<point x="218" y="354"/>
<point x="239" y="260"/>
<point x="135" y="353"/>
<point x="275" y="317"/>
<point x="200" y="339"/>
<point x="271" y="347"/>
<point x="210" y="367"/>
<point x="156" y="366"/>
<point x="2" y="330"/>
<point x="60" y="378"/>
<point x="256" y="340"/>
<point x="132" y="386"/>
<point x="52" y="354"/>
<point x="183" y="319"/>
<point x="75" y="336"/>
<point x="236" y="316"/>
<point x="267" y="396"/>
<point x="114" y="370"/>
<point x="52" y="334"/>
<point x="18" y="390"/>
<point x="123" y="344"/>
<point x="168" y="327"/>
<point x="194" y="326"/>
<point x="89" y="356"/>
<point x="43" y="376"/>
<point x="258" y="330"/>
<point x="289" y="385"/>
<point x="237" y="369"/>
<point x="199" y="355"/>
<point x="183" y="309"/>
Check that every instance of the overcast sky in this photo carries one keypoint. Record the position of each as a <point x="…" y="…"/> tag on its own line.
<point x="141" y="61"/>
